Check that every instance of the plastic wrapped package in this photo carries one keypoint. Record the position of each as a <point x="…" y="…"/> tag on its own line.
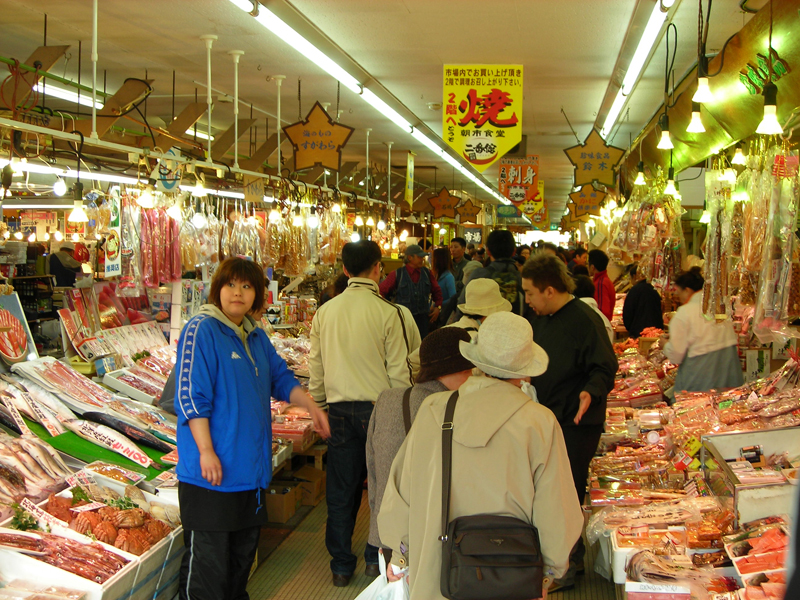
<point x="634" y="229"/>
<point x="622" y="231"/>
<point x="130" y="273"/>
<point x="737" y="226"/>
<point x="756" y="213"/>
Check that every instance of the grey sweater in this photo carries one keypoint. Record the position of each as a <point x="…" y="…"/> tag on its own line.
<point x="385" y="436"/>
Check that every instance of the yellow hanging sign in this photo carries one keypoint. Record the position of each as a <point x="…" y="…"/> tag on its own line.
<point x="482" y="114"/>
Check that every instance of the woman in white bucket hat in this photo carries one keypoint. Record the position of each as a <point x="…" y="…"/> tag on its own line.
<point x="495" y="423"/>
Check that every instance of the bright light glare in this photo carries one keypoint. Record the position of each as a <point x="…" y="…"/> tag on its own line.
<point x="85" y="99"/>
<point x="386" y="110"/>
<point x="271" y="21"/>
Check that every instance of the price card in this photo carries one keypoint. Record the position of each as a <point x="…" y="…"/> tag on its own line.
<point x="43" y="416"/>
<point x="23" y="426"/>
<point x="88" y="507"/>
<point x="41" y="515"/>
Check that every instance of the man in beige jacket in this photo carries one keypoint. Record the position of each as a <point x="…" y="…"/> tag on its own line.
<point x="359" y="347"/>
<point x="495" y="423"/>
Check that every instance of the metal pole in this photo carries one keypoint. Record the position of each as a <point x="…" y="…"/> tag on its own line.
<point x="235" y="54"/>
<point x="366" y="178"/>
<point x="389" y="175"/>
<point x="278" y="81"/>
<point x="94" y="69"/>
<point x="209" y="39"/>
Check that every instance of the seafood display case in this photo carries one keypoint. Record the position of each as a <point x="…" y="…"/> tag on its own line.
<point x="749" y="501"/>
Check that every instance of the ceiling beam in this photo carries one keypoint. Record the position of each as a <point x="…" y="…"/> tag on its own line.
<point x="47" y="56"/>
<point x="126" y="96"/>
<point x="181" y="124"/>
<point x="224" y="142"/>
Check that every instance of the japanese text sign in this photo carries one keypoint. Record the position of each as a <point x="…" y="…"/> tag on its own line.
<point x="444" y="205"/>
<point x="318" y="140"/>
<point x="469" y="212"/>
<point x="518" y="180"/>
<point x="594" y="160"/>
<point x="473" y="235"/>
<point x="113" y="266"/>
<point x="587" y="201"/>
<point x="482" y="115"/>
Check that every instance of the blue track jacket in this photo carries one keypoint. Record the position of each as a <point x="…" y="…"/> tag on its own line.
<point x="218" y="380"/>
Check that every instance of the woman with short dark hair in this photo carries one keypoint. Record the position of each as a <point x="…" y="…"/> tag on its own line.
<point x="704" y="349"/>
<point x="227" y="373"/>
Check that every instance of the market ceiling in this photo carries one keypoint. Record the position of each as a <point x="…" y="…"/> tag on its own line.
<point x="569" y="49"/>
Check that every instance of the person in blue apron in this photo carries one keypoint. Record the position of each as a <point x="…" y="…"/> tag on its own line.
<point x="704" y="349"/>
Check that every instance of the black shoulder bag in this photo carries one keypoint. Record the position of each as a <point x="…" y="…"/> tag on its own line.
<point x="407" y="410"/>
<point x="485" y="557"/>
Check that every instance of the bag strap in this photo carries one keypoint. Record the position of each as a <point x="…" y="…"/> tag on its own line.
<point x="447" y="461"/>
<point x="407" y="410"/>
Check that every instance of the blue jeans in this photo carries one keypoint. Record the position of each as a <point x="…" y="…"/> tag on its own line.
<point x="347" y="470"/>
<point x="423" y="324"/>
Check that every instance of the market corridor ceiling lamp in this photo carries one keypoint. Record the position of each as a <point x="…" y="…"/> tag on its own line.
<point x="640" y="175"/>
<point x="652" y="32"/>
<point x="703" y="93"/>
<point x="769" y="124"/>
<point x="739" y="157"/>
<point x="696" y="124"/>
<point x="91" y="175"/>
<point x="665" y="143"/>
<point x="671" y="190"/>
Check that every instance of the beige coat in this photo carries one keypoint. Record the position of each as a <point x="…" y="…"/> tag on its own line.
<point x="509" y="459"/>
<point x="360" y="344"/>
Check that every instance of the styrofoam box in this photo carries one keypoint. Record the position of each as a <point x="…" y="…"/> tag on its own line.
<point x="22" y="566"/>
<point x="112" y="381"/>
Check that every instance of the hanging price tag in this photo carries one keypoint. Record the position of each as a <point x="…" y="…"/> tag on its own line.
<point x="88" y="507"/>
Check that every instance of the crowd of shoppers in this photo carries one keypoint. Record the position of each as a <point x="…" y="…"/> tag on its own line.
<point x="526" y="342"/>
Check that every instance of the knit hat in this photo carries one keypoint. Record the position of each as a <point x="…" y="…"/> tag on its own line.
<point x="67" y="246"/>
<point x="504" y="348"/>
<point x="483" y="298"/>
<point x="439" y="354"/>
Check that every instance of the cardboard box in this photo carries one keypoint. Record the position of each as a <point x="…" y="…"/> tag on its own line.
<point x="312" y="485"/>
<point x="280" y="504"/>
<point x="295" y="485"/>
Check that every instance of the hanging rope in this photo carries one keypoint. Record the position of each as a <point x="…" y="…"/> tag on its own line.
<point x="338" y="93"/>
<point x="571" y="128"/>
<point x="299" y="102"/>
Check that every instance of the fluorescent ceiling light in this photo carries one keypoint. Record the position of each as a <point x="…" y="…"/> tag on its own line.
<point x="426" y="141"/>
<point x="221" y="193"/>
<point x="28" y="167"/>
<point x="38" y="205"/>
<point x="245" y="5"/>
<point x="386" y="110"/>
<point x="199" y="134"/>
<point x="646" y="43"/>
<point x="271" y="21"/>
<point x="85" y="99"/>
<point x="92" y="176"/>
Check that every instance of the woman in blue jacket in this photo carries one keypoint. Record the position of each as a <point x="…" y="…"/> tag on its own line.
<point x="227" y="373"/>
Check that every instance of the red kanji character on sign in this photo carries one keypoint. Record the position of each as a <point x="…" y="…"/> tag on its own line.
<point x="486" y="109"/>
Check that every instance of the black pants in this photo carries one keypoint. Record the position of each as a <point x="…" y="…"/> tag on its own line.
<point x="216" y="564"/>
<point x="347" y="470"/>
<point x="581" y="442"/>
<point x="423" y="324"/>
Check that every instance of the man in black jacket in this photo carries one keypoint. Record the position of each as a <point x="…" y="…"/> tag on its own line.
<point x="580" y="373"/>
<point x="503" y="269"/>
<point x="642" y="308"/>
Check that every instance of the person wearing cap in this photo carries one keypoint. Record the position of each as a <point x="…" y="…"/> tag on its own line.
<point x="414" y="287"/>
<point x="581" y="371"/>
<point x="443" y="368"/>
<point x="502" y="439"/>
<point x="63" y="265"/>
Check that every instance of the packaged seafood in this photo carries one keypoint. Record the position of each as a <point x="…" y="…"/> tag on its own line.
<point x="111" y="439"/>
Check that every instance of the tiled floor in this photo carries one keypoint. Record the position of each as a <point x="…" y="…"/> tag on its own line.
<point x="298" y="569"/>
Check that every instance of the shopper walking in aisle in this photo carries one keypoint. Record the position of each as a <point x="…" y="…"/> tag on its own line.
<point x="458" y="249"/>
<point x="580" y="374"/>
<point x="360" y="344"/>
<point x="442" y="368"/>
<point x="604" y="291"/>
<point x="441" y="268"/>
<point x="414" y="287"/>
<point x="704" y="349"/>
<point x="524" y="251"/>
<point x="642" y="307"/>
<point x="495" y="422"/>
<point x="503" y="269"/>
<point x="579" y="258"/>
<point x="584" y="290"/>
<point x="228" y="370"/>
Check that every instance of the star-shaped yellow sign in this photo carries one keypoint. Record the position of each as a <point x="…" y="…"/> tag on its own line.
<point x="318" y="140"/>
<point x="594" y="160"/>
<point x="587" y="201"/>
<point x="444" y="205"/>
<point x="469" y="212"/>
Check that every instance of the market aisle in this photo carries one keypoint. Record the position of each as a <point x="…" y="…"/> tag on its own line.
<point x="298" y="568"/>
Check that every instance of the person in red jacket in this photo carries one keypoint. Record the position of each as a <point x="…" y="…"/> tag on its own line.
<point x="604" y="292"/>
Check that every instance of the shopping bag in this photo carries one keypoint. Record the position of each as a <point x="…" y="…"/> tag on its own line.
<point x="382" y="589"/>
